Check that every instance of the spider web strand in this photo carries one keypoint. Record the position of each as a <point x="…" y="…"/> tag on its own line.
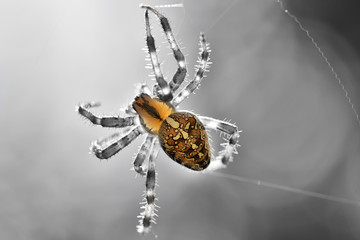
<point x="175" y="5"/>
<point x="321" y="52"/>
<point x="288" y="189"/>
<point x="231" y="5"/>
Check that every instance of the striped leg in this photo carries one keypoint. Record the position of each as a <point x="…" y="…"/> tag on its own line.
<point x="147" y="216"/>
<point x="114" y="122"/>
<point x="142" y="154"/>
<point x="179" y="56"/>
<point x="106" y="148"/>
<point x="226" y="154"/>
<point x="163" y="92"/>
<point x="201" y="69"/>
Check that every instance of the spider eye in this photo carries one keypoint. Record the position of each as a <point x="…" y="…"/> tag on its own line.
<point x="184" y="139"/>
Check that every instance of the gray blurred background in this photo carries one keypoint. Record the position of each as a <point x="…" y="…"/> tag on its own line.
<point x="299" y="129"/>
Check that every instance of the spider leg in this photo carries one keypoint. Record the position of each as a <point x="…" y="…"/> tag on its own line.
<point x="147" y="216"/>
<point x="106" y="148"/>
<point x="142" y="154"/>
<point x="226" y="154"/>
<point x="201" y="69"/>
<point x="163" y="90"/>
<point x="113" y="122"/>
<point x="180" y="74"/>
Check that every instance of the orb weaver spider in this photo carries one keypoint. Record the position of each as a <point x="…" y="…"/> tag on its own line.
<point x="182" y="135"/>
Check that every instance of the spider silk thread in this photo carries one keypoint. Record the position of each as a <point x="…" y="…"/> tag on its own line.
<point x="287" y="189"/>
<point x="323" y="56"/>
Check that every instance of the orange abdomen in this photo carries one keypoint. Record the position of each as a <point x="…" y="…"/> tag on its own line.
<point x="184" y="139"/>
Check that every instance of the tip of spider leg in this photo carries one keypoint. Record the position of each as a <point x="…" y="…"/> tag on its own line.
<point x="143" y="230"/>
<point x="96" y="149"/>
<point x="147" y="14"/>
<point x="82" y="108"/>
<point x="142" y="5"/>
<point x="77" y="108"/>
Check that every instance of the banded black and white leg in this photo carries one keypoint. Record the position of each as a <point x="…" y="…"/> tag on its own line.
<point x="229" y="147"/>
<point x="108" y="121"/>
<point x="180" y="74"/>
<point x="143" y="154"/>
<point x="203" y="64"/>
<point x="148" y="214"/>
<point x="162" y="88"/>
<point x="107" y="147"/>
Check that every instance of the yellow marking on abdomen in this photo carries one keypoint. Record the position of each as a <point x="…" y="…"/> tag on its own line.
<point x="172" y="122"/>
<point x="177" y="136"/>
<point x="185" y="134"/>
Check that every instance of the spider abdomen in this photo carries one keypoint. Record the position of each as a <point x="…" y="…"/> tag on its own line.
<point x="184" y="139"/>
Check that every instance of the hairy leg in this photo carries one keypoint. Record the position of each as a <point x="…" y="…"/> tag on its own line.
<point x="229" y="148"/>
<point x="142" y="154"/>
<point x="113" y="122"/>
<point x="179" y="56"/>
<point x="163" y="89"/>
<point x="201" y="69"/>
<point x="106" y="149"/>
<point x="147" y="216"/>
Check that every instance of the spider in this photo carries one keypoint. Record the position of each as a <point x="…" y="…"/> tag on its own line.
<point x="182" y="135"/>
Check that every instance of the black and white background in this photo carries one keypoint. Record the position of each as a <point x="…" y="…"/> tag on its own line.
<point x="298" y="127"/>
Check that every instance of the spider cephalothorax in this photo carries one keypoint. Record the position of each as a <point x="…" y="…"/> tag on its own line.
<point x="182" y="135"/>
